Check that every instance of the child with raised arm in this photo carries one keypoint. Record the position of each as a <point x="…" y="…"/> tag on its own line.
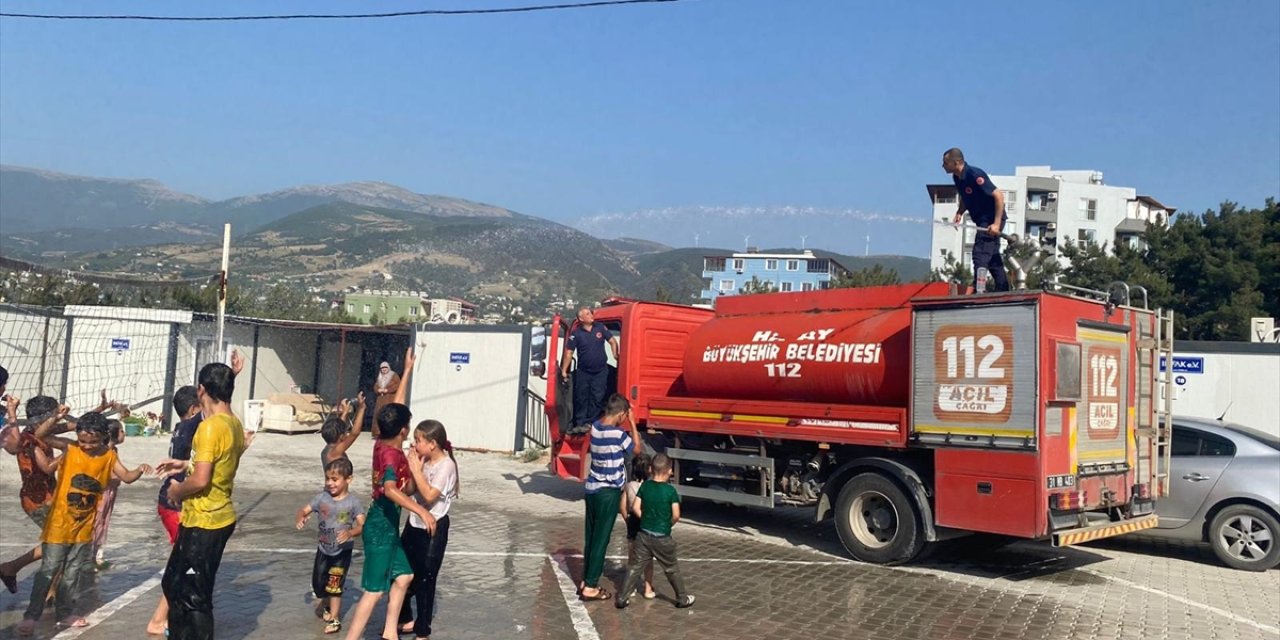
<point x="83" y="472"/>
<point x="339" y="433"/>
<point x="341" y="520"/>
<point x="385" y="566"/>
<point x="435" y="474"/>
<point x="37" y="486"/>
<point x="641" y="469"/>
<point x="658" y="505"/>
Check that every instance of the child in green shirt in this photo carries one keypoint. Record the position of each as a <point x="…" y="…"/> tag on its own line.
<point x="658" y="505"/>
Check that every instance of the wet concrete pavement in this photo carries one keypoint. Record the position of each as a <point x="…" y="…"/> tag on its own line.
<point x="513" y="559"/>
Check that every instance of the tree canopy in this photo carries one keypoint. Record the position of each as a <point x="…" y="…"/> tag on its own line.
<point x="1215" y="270"/>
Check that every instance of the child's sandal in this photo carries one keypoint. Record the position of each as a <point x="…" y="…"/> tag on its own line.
<point x="333" y="626"/>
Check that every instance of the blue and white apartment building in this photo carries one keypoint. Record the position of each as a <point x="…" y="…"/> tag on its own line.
<point x="726" y="276"/>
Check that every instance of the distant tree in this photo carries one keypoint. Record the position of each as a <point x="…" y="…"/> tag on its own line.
<point x="756" y="285"/>
<point x="873" y="276"/>
<point x="1215" y="270"/>
<point x="660" y="294"/>
<point x="953" y="270"/>
<point x="375" y="319"/>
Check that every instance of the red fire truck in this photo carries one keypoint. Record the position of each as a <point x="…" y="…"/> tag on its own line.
<point x="907" y="413"/>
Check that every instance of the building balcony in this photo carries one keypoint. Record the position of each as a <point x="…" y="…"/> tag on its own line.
<point x="1131" y="226"/>
<point x="1042" y="213"/>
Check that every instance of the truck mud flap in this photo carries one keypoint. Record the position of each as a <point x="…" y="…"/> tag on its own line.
<point x="1069" y="537"/>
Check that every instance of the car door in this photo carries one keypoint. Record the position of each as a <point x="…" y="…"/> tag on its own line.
<point x="1197" y="462"/>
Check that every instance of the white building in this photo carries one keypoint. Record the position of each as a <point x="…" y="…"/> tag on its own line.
<point x="1056" y="206"/>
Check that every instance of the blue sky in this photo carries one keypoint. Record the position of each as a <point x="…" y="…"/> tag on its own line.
<point x="835" y="109"/>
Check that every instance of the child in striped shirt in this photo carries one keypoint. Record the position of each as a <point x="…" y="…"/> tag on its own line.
<point x="610" y="446"/>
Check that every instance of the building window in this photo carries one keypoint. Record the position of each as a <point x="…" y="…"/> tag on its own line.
<point x="786" y="286"/>
<point x="771" y="265"/>
<point x="366" y="308"/>
<point x="806" y="286"/>
<point x="1087" y="235"/>
<point x="726" y="285"/>
<point x="713" y="264"/>
<point x="793" y="265"/>
<point x="1010" y="201"/>
<point x="351" y="308"/>
<point x="737" y="264"/>
<point x="413" y="311"/>
<point x="1088" y="208"/>
<point x="820" y="265"/>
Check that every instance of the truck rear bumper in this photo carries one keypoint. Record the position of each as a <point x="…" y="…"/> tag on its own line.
<point x="1069" y="537"/>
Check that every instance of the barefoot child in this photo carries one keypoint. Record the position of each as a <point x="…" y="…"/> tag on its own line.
<point x="658" y="506"/>
<point x="83" y="472"/>
<point x="435" y="474"/>
<point x="341" y="520"/>
<point x="385" y="565"/>
<point x="640" y="471"/>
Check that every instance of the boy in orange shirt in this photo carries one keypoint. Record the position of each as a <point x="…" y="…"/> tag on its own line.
<point x="67" y="540"/>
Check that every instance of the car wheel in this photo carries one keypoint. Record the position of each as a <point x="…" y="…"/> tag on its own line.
<point x="877" y="521"/>
<point x="1245" y="537"/>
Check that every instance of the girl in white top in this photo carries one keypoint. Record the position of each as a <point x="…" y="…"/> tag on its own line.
<point x="435" y="473"/>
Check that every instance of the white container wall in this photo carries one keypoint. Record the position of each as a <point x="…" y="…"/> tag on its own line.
<point x="1236" y="381"/>
<point x="471" y="378"/>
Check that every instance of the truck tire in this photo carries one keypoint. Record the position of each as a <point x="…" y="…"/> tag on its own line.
<point x="1245" y="537"/>
<point x="877" y="521"/>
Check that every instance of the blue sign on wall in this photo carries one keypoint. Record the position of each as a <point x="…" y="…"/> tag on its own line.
<point x="459" y="358"/>
<point x="120" y="344"/>
<point x="1184" y="364"/>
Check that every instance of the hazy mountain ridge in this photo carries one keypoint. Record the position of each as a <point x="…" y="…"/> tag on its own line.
<point x="33" y="200"/>
<point x="335" y="237"/>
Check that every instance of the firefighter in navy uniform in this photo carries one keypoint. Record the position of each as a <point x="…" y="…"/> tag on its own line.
<point x="591" y="378"/>
<point x="985" y="204"/>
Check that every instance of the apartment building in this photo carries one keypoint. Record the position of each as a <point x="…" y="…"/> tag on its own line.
<point x="393" y="307"/>
<point x="1051" y="205"/>
<point x="726" y="276"/>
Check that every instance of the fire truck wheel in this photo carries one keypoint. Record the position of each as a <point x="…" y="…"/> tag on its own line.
<point x="877" y="521"/>
<point x="1245" y="537"/>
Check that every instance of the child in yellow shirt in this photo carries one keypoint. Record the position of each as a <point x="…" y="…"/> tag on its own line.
<point x="83" y="473"/>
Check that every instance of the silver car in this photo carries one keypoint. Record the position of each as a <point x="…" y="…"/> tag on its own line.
<point x="1225" y="490"/>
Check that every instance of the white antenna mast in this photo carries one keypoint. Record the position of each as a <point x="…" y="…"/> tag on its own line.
<point x="866" y="252"/>
<point x="802" y="240"/>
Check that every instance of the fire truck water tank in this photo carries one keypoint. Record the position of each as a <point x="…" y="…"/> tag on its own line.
<point x="860" y="356"/>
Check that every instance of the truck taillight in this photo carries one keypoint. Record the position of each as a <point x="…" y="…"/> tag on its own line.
<point x="1066" y="501"/>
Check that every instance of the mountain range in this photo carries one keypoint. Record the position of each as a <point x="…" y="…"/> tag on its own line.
<point x="343" y="236"/>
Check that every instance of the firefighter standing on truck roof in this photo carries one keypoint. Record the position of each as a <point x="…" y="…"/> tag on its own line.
<point x="985" y="205"/>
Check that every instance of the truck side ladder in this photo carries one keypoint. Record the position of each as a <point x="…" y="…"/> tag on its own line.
<point x="1164" y="405"/>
